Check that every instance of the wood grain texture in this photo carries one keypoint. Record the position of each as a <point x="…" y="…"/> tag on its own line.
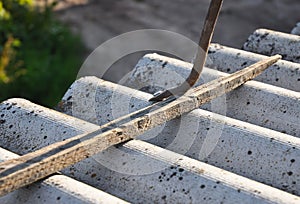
<point x="31" y="167"/>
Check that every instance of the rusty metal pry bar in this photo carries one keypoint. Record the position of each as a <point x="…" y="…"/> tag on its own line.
<point x="204" y="42"/>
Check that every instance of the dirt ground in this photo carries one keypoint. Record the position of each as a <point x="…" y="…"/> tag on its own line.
<point x="99" y="20"/>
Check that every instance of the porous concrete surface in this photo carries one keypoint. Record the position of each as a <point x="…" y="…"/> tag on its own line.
<point x="254" y="102"/>
<point x="284" y="74"/>
<point x="172" y="177"/>
<point x="269" y="42"/>
<point x="296" y="29"/>
<point x="238" y="142"/>
<point x="55" y="189"/>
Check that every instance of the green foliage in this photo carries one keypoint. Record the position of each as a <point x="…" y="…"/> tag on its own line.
<point x="39" y="56"/>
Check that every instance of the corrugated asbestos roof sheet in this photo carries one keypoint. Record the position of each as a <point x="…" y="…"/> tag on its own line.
<point x="243" y="147"/>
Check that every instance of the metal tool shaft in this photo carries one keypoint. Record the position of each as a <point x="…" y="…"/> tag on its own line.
<point x="203" y="45"/>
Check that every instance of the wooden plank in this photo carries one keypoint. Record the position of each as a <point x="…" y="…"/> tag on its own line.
<point x="31" y="167"/>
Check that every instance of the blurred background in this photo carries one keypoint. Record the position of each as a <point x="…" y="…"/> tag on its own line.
<point x="44" y="42"/>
